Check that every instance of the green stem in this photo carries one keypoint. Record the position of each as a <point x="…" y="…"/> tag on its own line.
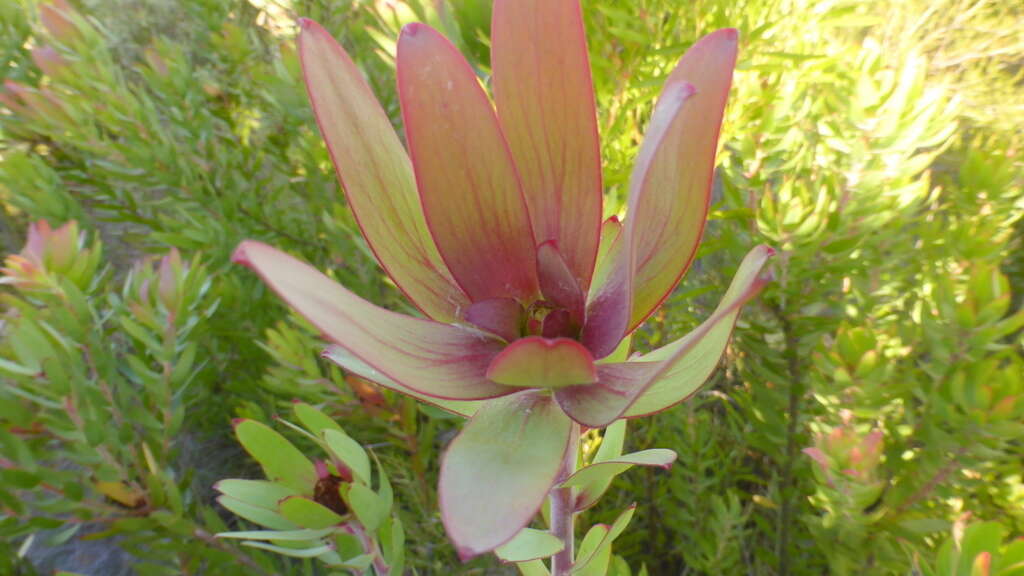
<point x="563" y="503"/>
<point x="796" y="391"/>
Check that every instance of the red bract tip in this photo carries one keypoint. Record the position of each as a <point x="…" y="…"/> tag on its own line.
<point x="412" y="29"/>
<point x="465" y="554"/>
<point x="321" y="469"/>
<point x="236" y="421"/>
<point x="304" y="23"/>
<point x="239" y="256"/>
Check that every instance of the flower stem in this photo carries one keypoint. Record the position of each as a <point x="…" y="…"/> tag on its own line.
<point x="563" y="501"/>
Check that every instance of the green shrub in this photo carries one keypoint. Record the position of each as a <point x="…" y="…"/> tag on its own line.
<point x="876" y="145"/>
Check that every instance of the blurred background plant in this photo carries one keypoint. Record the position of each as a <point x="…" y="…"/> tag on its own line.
<point x="870" y="402"/>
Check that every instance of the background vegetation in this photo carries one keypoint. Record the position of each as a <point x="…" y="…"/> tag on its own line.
<point x="868" y="416"/>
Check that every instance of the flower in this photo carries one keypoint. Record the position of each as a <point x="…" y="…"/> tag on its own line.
<point x="491" y="225"/>
<point x="49" y="251"/>
<point x="847" y="464"/>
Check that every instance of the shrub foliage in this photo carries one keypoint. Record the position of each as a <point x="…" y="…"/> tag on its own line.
<point x="867" y="418"/>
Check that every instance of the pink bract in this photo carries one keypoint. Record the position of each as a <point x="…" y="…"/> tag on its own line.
<point x="491" y="225"/>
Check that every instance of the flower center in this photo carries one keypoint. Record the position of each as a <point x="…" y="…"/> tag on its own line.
<point x="327" y="494"/>
<point x="547" y="320"/>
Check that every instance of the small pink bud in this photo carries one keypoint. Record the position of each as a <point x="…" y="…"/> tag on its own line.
<point x="35" y="247"/>
<point x="46" y="250"/>
<point x="169" y="271"/>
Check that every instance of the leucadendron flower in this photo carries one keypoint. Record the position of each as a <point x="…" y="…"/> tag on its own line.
<point x="491" y="224"/>
<point x="50" y="256"/>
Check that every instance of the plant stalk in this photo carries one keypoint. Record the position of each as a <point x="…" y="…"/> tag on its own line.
<point x="796" y="391"/>
<point x="563" y="513"/>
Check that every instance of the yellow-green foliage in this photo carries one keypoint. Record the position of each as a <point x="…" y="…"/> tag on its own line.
<point x="877" y="145"/>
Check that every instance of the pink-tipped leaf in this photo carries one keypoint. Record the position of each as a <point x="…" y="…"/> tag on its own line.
<point x="609" y="310"/>
<point x="667" y="213"/>
<point x="668" y="375"/>
<point x="376" y="174"/>
<point x="440" y="360"/>
<point x="537" y="362"/>
<point x="344" y="359"/>
<point x="593" y="480"/>
<point x="499" y="469"/>
<point x="545" y="99"/>
<point x="468" y="184"/>
<point x="595" y="550"/>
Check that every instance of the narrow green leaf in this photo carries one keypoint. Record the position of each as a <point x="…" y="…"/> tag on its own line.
<point x="612" y="440"/>
<point x="350" y="453"/>
<point x="292" y="552"/>
<point x="360" y="563"/>
<point x="281" y="461"/>
<point x="16" y="369"/>
<point x="530" y="544"/>
<point x="660" y="457"/>
<point x="392" y="538"/>
<point x="533" y="568"/>
<point x="259" y="492"/>
<point x="594" y="480"/>
<point x="284" y="535"/>
<point x="595" y="553"/>
<point x="256" y="514"/>
<point x="367" y="506"/>
<point x="314" y="420"/>
<point x="592" y="556"/>
<point x="308" y="513"/>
